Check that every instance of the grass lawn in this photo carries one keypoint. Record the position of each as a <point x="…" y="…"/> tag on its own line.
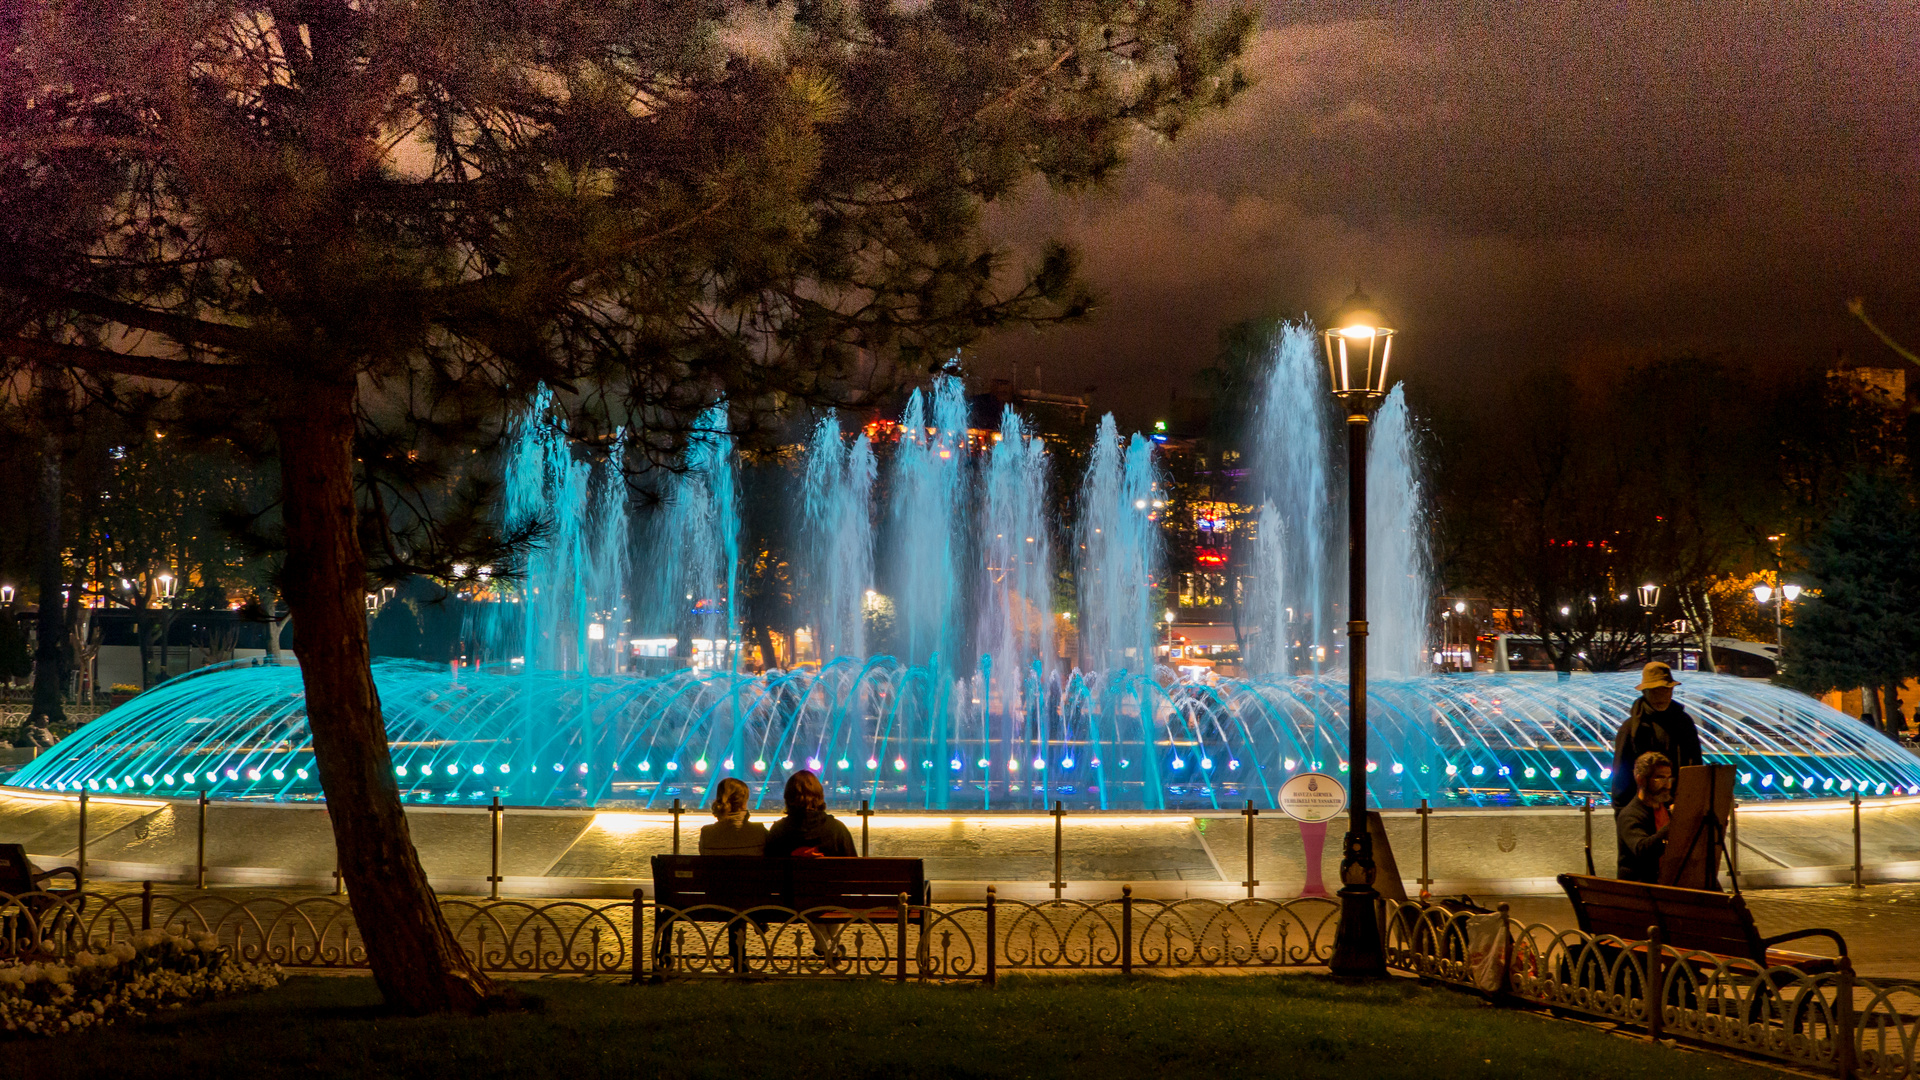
<point x="1295" y="1027"/>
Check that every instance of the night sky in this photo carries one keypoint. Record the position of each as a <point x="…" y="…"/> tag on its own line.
<point x="1607" y="182"/>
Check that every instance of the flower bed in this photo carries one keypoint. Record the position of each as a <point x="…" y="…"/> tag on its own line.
<point x="157" y="969"/>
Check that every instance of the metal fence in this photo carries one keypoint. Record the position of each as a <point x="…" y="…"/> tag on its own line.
<point x="1830" y="1022"/>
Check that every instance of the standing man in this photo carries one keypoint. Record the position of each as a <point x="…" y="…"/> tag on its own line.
<point x="1641" y="825"/>
<point x="1657" y="724"/>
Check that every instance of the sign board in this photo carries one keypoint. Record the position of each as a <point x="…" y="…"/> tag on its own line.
<point x="1313" y="797"/>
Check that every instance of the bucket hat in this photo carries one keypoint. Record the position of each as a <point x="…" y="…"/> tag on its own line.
<point x="1656" y="674"/>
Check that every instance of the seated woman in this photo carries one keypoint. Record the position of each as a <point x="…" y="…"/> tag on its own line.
<point x="732" y="833"/>
<point x="808" y="830"/>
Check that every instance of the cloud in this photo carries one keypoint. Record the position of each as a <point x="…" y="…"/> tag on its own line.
<point x="1607" y="180"/>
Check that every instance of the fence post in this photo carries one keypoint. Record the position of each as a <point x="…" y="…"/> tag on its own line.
<point x="200" y="851"/>
<point x="866" y="813"/>
<point x="900" y="943"/>
<point x="640" y="934"/>
<point x="993" y="943"/>
<point x="1506" y="947"/>
<point x="146" y="905"/>
<point x="1586" y="811"/>
<point x="80" y="866"/>
<point x="1059" y="817"/>
<point x="1844" y="1021"/>
<point x="1655" y="980"/>
<point x="1857" y="883"/>
<point x="677" y="810"/>
<point x="1126" y="929"/>
<point x="496" y="815"/>
<point x="1252" y="812"/>
<point x="1426" y="875"/>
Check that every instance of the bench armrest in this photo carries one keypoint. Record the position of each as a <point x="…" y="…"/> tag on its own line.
<point x="1833" y="935"/>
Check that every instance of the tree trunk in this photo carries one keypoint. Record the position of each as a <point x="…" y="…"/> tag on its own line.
<point x="415" y="960"/>
<point x="49" y="693"/>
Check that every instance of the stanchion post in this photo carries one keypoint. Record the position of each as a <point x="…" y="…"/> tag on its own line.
<point x="146" y="905"/>
<point x="866" y="814"/>
<point x="1655" y="978"/>
<point x="80" y="863"/>
<point x="1733" y="845"/>
<point x="1126" y="929"/>
<point x="1858" y="879"/>
<point x="676" y="809"/>
<point x="1426" y="874"/>
<point x="1059" y="818"/>
<point x="339" y="883"/>
<point x="1586" y="812"/>
<point x="496" y="821"/>
<point x="993" y="937"/>
<point x="200" y="848"/>
<point x="1251" y="812"/>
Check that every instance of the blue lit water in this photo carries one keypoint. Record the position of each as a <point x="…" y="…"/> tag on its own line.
<point x="873" y="729"/>
<point x="959" y="669"/>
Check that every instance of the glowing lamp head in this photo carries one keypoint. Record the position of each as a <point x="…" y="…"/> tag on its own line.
<point x="1763" y="593"/>
<point x="1790" y="592"/>
<point x="1359" y="344"/>
<point x="596" y="632"/>
<point x="1649" y="596"/>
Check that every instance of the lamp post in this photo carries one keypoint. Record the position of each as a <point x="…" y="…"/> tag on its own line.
<point x="1788" y="594"/>
<point x="1358" y="348"/>
<point x="1650" y="599"/>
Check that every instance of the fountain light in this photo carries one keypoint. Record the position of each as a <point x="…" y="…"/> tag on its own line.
<point x="596" y="631"/>
<point x="1206" y="763"/>
<point x="1179" y="764"/>
<point x="1398" y="768"/>
<point x="985" y="764"/>
<point x="759" y="765"/>
<point x="813" y="764"/>
<point x="646" y="766"/>
<point x="899" y="764"/>
<point x="301" y="773"/>
<point x="1066" y="763"/>
<point x="727" y="764"/>
<point x="1579" y="774"/>
<point x="700" y="766"/>
<point x="1479" y="770"/>
<point x="1233" y="763"/>
<point x="787" y="764"/>
<point x="1289" y="764"/>
<point x="843" y="763"/>
<point x="873" y="763"/>
<point x="168" y="779"/>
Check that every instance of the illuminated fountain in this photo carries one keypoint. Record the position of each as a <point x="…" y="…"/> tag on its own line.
<point x="945" y="682"/>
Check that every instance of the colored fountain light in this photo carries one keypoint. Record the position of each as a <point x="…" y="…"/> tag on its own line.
<point x="940" y="683"/>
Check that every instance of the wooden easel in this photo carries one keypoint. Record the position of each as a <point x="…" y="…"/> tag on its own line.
<point x="1697" y="832"/>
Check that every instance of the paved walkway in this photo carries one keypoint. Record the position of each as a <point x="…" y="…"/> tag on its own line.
<point x="1881" y="922"/>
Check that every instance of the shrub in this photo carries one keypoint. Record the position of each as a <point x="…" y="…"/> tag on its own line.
<point x="156" y="969"/>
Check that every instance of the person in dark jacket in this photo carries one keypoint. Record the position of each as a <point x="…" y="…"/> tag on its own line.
<point x="1641" y="825"/>
<point x="808" y="830"/>
<point x="1657" y="724"/>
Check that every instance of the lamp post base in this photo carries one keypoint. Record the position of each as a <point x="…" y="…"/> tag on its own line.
<point x="1357" y="948"/>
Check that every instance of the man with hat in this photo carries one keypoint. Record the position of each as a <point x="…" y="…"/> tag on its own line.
<point x="1657" y="724"/>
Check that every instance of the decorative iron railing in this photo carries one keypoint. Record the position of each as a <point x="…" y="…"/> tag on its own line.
<point x="1824" y="1021"/>
<point x="1831" y="1021"/>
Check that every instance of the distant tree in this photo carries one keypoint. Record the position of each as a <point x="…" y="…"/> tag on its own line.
<point x="15" y="663"/>
<point x="352" y="232"/>
<point x="1859" y="625"/>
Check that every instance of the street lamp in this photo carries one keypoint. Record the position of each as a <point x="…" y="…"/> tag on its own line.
<point x="6" y="594"/>
<point x="1358" y="344"/>
<point x="1788" y="594"/>
<point x="1649" y="596"/>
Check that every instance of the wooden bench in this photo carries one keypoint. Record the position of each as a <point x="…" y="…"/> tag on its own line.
<point x="1694" y="920"/>
<point x="720" y="888"/>
<point x="52" y="910"/>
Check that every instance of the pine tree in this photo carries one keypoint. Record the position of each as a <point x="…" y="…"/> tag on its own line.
<point x="1859" y="624"/>
<point x="352" y="233"/>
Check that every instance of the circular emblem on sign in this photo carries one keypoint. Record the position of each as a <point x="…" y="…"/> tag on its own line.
<point x="1313" y="797"/>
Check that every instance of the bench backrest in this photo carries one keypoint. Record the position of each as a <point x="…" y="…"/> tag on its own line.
<point x="729" y="881"/>
<point x="1700" y="919"/>
<point x="745" y="881"/>
<point x="16" y="873"/>
<point x="856" y="883"/>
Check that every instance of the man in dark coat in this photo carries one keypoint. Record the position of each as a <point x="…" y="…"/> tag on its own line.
<point x="1657" y="724"/>
<point x="1641" y="825"/>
